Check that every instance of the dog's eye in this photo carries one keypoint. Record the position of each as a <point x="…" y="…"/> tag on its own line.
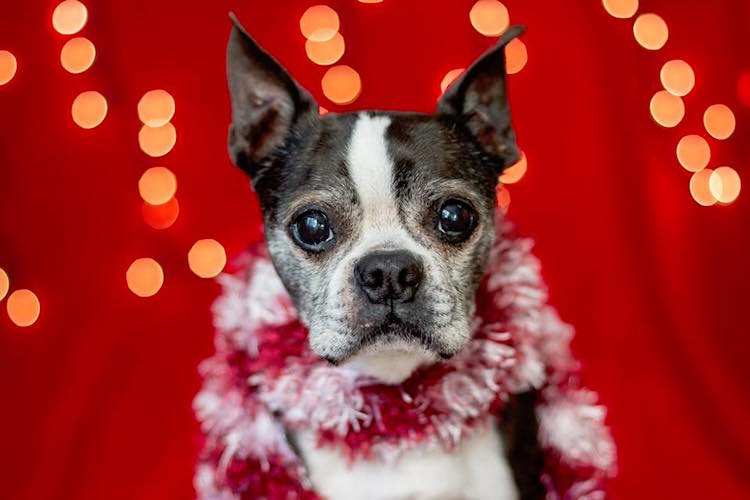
<point x="456" y="220"/>
<point x="311" y="230"/>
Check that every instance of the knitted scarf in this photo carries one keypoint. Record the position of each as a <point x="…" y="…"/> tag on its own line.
<point x="264" y="379"/>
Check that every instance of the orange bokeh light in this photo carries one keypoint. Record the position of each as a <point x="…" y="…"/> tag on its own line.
<point x="23" y="307"/>
<point x="325" y="53"/>
<point x="450" y="77"/>
<point x="157" y="141"/>
<point x="69" y="17"/>
<point x="700" y="189"/>
<point x="144" y="277"/>
<point x="725" y="184"/>
<point x="503" y="197"/>
<point x="515" y="172"/>
<point x="515" y="56"/>
<point x="161" y="216"/>
<point x="667" y="109"/>
<point x="341" y="84"/>
<point x="207" y="258"/>
<point x="622" y="9"/>
<point x="650" y="31"/>
<point x="489" y="17"/>
<point x="719" y="121"/>
<point x="156" y="108"/>
<point x="4" y="283"/>
<point x="89" y="109"/>
<point x="8" y="66"/>
<point x="319" y="23"/>
<point x="677" y="77"/>
<point x="157" y="185"/>
<point x="77" y="55"/>
<point x="693" y="152"/>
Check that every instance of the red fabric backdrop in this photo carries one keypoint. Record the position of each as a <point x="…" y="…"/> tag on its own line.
<point x="95" y="397"/>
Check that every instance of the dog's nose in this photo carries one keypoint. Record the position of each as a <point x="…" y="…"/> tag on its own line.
<point x="389" y="276"/>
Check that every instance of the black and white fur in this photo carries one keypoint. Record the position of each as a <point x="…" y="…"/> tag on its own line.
<point x="381" y="179"/>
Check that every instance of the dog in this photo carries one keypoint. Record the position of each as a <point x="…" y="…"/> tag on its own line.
<point x="379" y="225"/>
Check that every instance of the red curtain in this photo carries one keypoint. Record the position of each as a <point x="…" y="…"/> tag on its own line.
<point x="96" y="395"/>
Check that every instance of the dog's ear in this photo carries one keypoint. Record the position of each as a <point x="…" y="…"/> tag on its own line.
<point x="479" y="100"/>
<point x="266" y="102"/>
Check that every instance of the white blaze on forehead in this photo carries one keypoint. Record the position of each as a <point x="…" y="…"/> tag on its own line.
<point x="371" y="170"/>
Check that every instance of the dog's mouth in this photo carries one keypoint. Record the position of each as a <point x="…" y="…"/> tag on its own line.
<point x="396" y="336"/>
<point x="394" y="330"/>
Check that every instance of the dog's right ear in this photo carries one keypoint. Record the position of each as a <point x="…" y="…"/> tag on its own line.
<point x="266" y="102"/>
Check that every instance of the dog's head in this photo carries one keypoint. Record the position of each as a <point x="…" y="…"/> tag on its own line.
<point x="379" y="224"/>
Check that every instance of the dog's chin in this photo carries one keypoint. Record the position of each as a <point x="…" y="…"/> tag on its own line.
<point x="392" y="351"/>
<point x="389" y="352"/>
<point x="390" y="361"/>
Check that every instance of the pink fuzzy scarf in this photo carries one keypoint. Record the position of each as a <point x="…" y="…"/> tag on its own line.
<point x="264" y="378"/>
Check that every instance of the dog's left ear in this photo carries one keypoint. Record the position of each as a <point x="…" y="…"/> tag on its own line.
<point x="266" y="102"/>
<point x="479" y="101"/>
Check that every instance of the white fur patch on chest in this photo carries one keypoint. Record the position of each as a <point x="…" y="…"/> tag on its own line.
<point x="477" y="470"/>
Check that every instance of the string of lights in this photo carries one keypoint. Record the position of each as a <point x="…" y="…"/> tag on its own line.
<point x="157" y="186"/>
<point x="88" y="110"/>
<point x="324" y="45"/>
<point x="708" y="186"/>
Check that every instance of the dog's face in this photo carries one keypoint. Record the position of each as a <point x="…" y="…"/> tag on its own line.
<point x="379" y="224"/>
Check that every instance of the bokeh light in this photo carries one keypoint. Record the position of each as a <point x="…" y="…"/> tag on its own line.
<point x="23" y="307"/>
<point x="450" y="77"/>
<point x="719" y="121"/>
<point x="667" y="109"/>
<point x="515" y="172"/>
<point x="622" y="9"/>
<point x="156" y="108"/>
<point x="489" y="17"/>
<point x="157" y="141"/>
<point x="743" y="88"/>
<point x="650" y="31"/>
<point x="4" y="283"/>
<point x="77" y="55"/>
<point x="69" y="17"/>
<point x="207" y="258"/>
<point x="693" y="152"/>
<point x="677" y="77"/>
<point x="725" y="184"/>
<point x="89" y="109"/>
<point x="319" y="23"/>
<point x="157" y="185"/>
<point x="144" y="277"/>
<point x="503" y="197"/>
<point x="325" y="53"/>
<point x="341" y="84"/>
<point x="161" y="216"/>
<point x="8" y="66"/>
<point x="515" y="56"/>
<point x="700" y="189"/>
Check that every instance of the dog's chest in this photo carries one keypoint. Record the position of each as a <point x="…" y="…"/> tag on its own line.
<point x="476" y="470"/>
